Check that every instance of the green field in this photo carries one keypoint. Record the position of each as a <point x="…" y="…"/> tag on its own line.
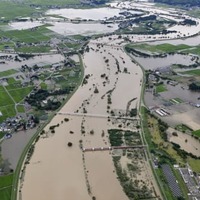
<point x="5" y="99"/>
<point x="166" y="48"/>
<point x="195" y="72"/>
<point x="10" y="10"/>
<point x="3" y="45"/>
<point x="15" y="91"/>
<point x="194" y="164"/>
<point x="193" y="50"/>
<point x="160" y="88"/>
<point x="28" y="36"/>
<point x="20" y="108"/>
<point x="6" y="186"/>
<point x="7" y="111"/>
<point x="19" y="94"/>
<point x="162" y="48"/>
<point x="197" y="133"/>
<point x="8" y="72"/>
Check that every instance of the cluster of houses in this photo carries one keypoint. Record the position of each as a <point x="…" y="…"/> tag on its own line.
<point x="18" y="123"/>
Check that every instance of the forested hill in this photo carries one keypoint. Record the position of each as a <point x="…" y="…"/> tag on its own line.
<point x="180" y="2"/>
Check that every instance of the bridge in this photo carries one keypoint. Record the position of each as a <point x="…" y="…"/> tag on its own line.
<point x="112" y="148"/>
<point x="97" y="115"/>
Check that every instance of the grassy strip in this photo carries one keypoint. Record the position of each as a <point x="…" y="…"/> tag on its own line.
<point x="161" y="48"/>
<point x="24" y="153"/>
<point x="8" y="72"/>
<point x="197" y="133"/>
<point x="195" y="72"/>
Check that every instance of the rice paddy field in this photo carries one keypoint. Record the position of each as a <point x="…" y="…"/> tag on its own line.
<point x="28" y="36"/>
<point x="5" y="186"/>
<point x="10" y="95"/>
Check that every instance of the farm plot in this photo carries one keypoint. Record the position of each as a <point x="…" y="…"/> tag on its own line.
<point x="5" y="187"/>
<point x="5" y="98"/>
<point x="10" y="95"/>
<point x="29" y="36"/>
<point x="19" y="94"/>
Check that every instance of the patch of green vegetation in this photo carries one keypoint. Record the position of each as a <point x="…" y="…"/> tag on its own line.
<point x="43" y="86"/>
<point x="68" y="77"/>
<point x="73" y="45"/>
<point x="195" y="72"/>
<point x="5" y="193"/>
<point x="194" y="164"/>
<point x="78" y="37"/>
<point x="33" y="49"/>
<point x="160" y="88"/>
<point x="2" y="135"/>
<point x="1" y="88"/>
<point x="5" y="99"/>
<point x="10" y="10"/>
<point x="30" y="35"/>
<point x="6" y="181"/>
<point x="12" y="81"/>
<point x="8" y="72"/>
<point x="7" y="111"/>
<point x="19" y="94"/>
<point x="183" y="128"/>
<point x="5" y="45"/>
<point x="193" y="50"/>
<point x="6" y="186"/>
<point x="115" y="137"/>
<point x="20" y="108"/>
<point x="196" y="133"/>
<point x="146" y="129"/>
<point x="132" y="138"/>
<point x="161" y="48"/>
